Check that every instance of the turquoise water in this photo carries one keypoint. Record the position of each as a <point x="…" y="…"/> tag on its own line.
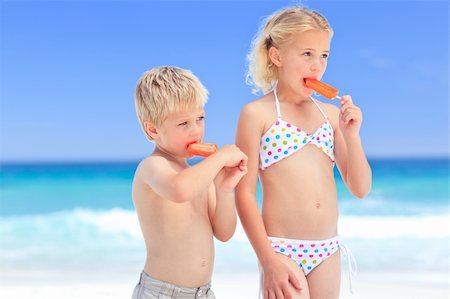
<point x="40" y="188"/>
<point x="400" y="187"/>
<point x="75" y="216"/>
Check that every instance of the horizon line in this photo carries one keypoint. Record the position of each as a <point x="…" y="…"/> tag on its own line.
<point x="137" y="160"/>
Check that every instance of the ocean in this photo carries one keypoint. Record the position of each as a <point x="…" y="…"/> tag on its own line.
<point x="77" y="221"/>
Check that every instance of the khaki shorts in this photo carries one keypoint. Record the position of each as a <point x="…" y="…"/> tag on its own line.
<point x="150" y="288"/>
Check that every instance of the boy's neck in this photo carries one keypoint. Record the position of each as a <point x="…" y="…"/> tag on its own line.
<point x="169" y="156"/>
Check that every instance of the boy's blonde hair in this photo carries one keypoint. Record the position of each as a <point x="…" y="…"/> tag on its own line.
<point x="277" y="30"/>
<point x="165" y="90"/>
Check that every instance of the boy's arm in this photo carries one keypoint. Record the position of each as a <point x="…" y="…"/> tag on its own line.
<point x="222" y="213"/>
<point x="189" y="183"/>
<point x="222" y="202"/>
<point x="180" y="186"/>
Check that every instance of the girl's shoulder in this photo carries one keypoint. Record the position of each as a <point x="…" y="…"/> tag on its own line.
<point x="328" y="108"/>
<point x="260" y="106"/>
<point x="331" y="111"/>
<point x="258" y="114"/>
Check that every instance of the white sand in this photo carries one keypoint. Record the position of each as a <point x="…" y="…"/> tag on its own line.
<point x="240" y="286"/>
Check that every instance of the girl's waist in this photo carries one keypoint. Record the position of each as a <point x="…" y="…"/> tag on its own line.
<point x="305" y="223"/>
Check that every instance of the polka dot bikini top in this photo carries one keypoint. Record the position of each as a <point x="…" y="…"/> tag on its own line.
<point x="283" y="139"/>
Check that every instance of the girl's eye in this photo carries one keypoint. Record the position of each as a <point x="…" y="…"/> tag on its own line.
<point x="183" y="123"/>
<point x="307" y="53"/>
<point x="324" y="56"/>
<point x="201" y="118"/>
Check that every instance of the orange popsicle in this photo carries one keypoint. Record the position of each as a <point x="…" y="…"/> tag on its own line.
<point x="202" y="149"/>
<point x="322" y="88"/>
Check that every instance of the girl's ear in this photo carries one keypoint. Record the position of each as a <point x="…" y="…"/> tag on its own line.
<point x="274" y="56"/>
<point x="151" y="130"/>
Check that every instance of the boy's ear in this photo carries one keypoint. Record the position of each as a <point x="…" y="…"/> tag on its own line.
<point x="151" y="129"/>
<point x="274" y="56"/>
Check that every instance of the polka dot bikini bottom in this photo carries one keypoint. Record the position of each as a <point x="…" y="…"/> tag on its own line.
<point x="308" y="254"/>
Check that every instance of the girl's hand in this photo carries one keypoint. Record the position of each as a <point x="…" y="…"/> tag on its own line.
<point x="350" y="117"/>
<point x="277" y="278"/>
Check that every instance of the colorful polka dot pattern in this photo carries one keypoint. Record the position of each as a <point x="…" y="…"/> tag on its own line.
<point x="283" y="139"/>
<point x="307" y="254"/>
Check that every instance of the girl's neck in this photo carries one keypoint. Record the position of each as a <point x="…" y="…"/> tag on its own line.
<point x="286" y="94"/>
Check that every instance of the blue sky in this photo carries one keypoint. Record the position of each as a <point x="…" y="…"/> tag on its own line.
<point x="69" y="69"/>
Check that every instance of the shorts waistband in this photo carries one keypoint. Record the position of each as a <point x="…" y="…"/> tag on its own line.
<point x="170" y="289"/>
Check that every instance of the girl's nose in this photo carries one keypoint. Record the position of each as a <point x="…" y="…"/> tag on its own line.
<point x="315" y="67"/>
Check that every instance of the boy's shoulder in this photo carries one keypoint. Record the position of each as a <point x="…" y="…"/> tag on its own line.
<point x="151" y="164"/>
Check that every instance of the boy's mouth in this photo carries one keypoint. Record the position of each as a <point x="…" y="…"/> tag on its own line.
<point x="191" y="142"/>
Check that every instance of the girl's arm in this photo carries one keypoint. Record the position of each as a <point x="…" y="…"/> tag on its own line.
<point x="276" y="275"/>
<point x="349" y="152"/>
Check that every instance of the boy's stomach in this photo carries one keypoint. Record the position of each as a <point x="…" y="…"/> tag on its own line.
<point x="181" y="254"/>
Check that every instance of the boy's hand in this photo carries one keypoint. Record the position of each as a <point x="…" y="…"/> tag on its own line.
<point x="234" y="169"/>
<point x="229" y="177"/>
<point x="233" y="156"/>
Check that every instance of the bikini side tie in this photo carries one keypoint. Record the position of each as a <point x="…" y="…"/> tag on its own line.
<point x="351" y="262"/>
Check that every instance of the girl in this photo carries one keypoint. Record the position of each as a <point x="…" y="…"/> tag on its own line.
<point x="293" y="142"/>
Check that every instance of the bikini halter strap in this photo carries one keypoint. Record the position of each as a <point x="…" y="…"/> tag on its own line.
<point x="277" y="103"/>
<point x="320" y="109"/>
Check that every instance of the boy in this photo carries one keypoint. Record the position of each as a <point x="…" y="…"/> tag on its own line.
<point x="180" y="208"/>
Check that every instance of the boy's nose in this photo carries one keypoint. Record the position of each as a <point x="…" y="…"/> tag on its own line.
<point x="196" y="130"/>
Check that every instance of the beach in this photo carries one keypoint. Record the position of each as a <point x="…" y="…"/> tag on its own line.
<point x="247" y="288"/>
<point x="70" y="231"/>
<point x="230" y="281"/>
<point x="239" y="285"/>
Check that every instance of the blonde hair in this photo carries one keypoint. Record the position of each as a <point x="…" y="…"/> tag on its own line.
<point x="277" y="30"/>
<point x="164" y="90"/>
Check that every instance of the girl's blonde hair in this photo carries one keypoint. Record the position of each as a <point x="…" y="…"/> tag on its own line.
<point x="277" y="29"/>
<point x="165" y="90"/>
